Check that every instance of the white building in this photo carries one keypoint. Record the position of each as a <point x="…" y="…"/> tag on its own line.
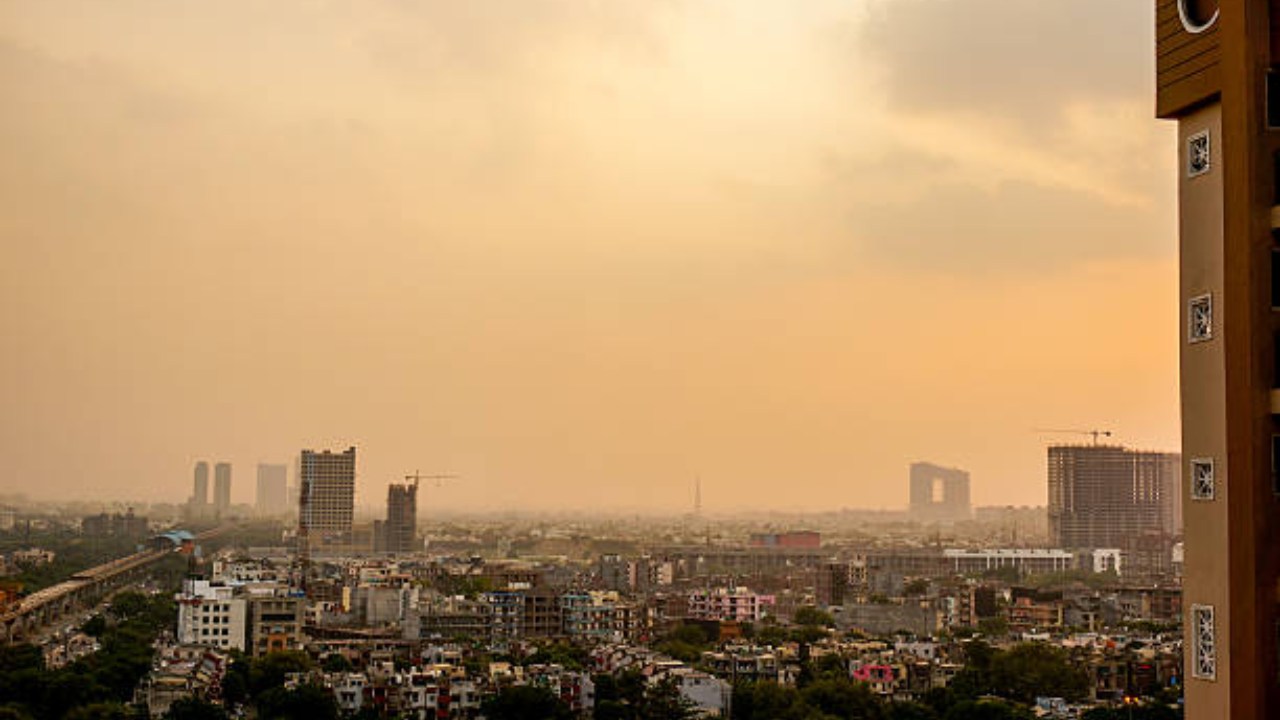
<point x="708" y="693"/>
<point x="209" y="614"/>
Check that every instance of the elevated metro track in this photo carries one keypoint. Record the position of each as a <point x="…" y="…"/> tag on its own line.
<point x="84" y="588"/>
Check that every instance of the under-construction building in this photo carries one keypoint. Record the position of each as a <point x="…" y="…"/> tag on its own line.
<point x="1102" y="496"/>
<point x="399" y="532"/>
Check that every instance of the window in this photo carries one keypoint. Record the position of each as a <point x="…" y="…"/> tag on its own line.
<point x="1275" y="278"/>
<point x="1200" y="319"/>
<point x="1273" y="100"/>
<point x="1205" y="664"/>
<point x="1202" y="479"/>
<point x="1275" y="464"/>
<point x="1198" y="154"/>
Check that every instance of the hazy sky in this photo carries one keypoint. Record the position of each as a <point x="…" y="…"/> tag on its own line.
<point x="581" y="251"/>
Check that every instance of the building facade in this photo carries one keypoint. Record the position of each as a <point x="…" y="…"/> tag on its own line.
<point x="400" y="530"/>
<point x="272" y="489"/>
<point x="1102" y="495"/>
<point x="200" y="485"/>
<point x="275" y="622"/>
<point x="210" y="614"/>
<point x="328" y="488"/>
<point x="1217" y="79"/>
<point x="740" y="604"/>
<point x="222" y="488"/>
<point x="939" y="494"/>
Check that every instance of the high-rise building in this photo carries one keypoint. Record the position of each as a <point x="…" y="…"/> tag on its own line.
<point x="1216" y="76"/>
<point x="1101" y="496"/>
<point x="327" y="484"/>
<point x="222" y="488"/>
<point x="939" y="494"/>
<point x="399" y="532"/>
<point x="272" y="489"/>
<point x="200" y="485"/>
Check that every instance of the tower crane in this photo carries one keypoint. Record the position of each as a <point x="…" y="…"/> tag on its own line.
<point x="438" y="479"/>
<point x="1095" y="434"/>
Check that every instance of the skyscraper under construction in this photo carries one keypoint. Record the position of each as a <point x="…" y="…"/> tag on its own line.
<point x="399" y="531"/>
<point x="1102" y="496"/>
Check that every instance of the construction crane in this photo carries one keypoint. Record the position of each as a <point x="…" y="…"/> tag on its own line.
<point x="1095" y="434"/>
<point x="438" y="479"/>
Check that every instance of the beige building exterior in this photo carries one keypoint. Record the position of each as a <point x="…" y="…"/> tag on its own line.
<point x="1215" y="61"/>
<point x="328" y="487"/>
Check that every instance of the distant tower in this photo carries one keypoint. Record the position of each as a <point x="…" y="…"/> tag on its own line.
<point x="697" y="497"/>
<point x="222" y="488"/>
<point x="272" y="488"/>
<point x="939" y="494"/>
<point x="400" y="531"/>
<point x="1101" y="496"/>
<point x="200" y="487"/>
<point x="327" y="488"/>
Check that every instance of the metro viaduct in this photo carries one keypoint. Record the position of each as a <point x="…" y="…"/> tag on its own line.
<point x="87" y="587"/>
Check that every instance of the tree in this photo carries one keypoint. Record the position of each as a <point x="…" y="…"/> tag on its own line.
<point x="664" y="701"/>
<point x="766" y="701"/>
<point x="271" y="670"/>
<point x="910" y="711"/>
<point x="685" y="642"/>
<point x="825" y="667"/>
<point x="916" y="588"/>
<point x="129" y="604"/>
<point x="525" y="702"/>
<point x="995" y="626"/>
<point x="612" y="710"/>
<point x="95" y="626"/>
<point x="1031" y="670"/>
<point x="812" y="616"/>
<point x="100" y="711"/>
<point x="987" y="710"/>
<point x="307" y="702"/>
<point x="566" y="655"/>
<point x="13" y="712"/>
<point x="843" y="699"/>
<point x="193" y="708"/>
<point x="21" y="657"/>
<point x="335" y="663"/>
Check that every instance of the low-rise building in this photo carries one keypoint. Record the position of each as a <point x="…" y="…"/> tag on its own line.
<point x="210" y="614"/>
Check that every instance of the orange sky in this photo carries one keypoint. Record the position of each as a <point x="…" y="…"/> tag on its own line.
<point x="581" y="251"/>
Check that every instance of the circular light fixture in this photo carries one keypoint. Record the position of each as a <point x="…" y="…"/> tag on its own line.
<point x="1198" y="15"/>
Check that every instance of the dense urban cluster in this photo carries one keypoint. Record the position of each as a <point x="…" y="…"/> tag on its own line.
<point x="941" y="611"/>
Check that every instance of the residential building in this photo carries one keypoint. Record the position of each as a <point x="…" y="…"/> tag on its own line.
<point x="328" y="482"/>
<point x="920" y="618"/>
<point x="210" y="614"/>
<point x="739" y="603"/>
<point x="275" y="621"/>
<point x="832" y="582"/>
